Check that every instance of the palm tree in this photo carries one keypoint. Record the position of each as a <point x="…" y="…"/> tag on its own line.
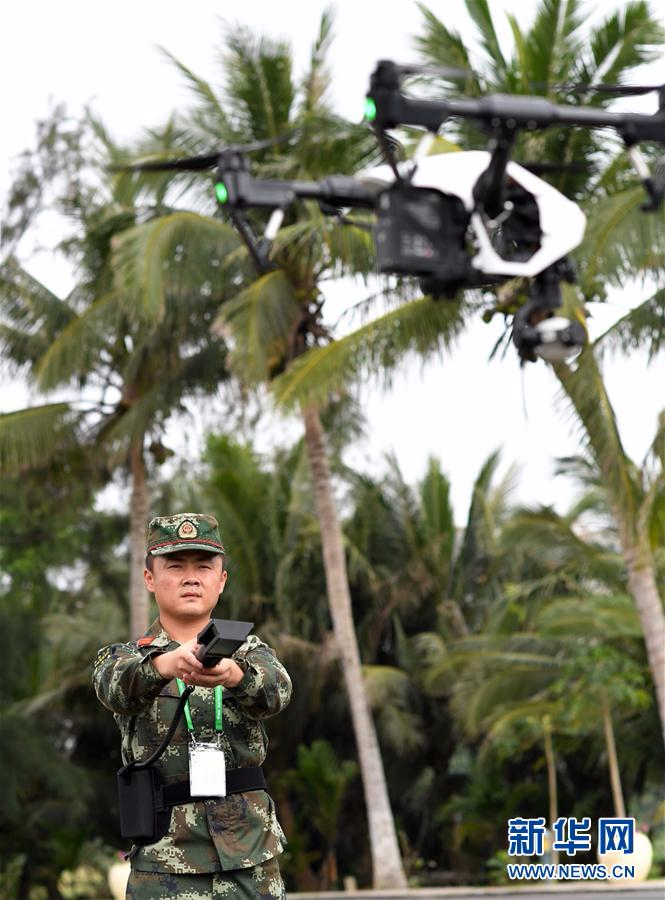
<point x="136" y="372"/>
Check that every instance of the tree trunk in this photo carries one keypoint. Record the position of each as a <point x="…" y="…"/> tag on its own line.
<point x="387" y="868"/>
<point x="643" y="588"/>
<point x="551" y="781"/>
<point x="329" y="871"/>
<point x="612" y="758"/>
<point x="138" y="521"/>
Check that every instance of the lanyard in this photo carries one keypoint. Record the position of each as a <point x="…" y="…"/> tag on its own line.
<point x="219" y="725"/>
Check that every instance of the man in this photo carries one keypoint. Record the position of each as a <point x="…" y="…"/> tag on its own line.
<point x="220" y="846"/>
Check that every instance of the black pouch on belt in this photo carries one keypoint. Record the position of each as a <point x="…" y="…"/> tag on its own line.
<point x="144" y="816"/>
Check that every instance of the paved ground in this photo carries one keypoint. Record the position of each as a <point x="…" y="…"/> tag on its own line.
<point x="650" y="890"/>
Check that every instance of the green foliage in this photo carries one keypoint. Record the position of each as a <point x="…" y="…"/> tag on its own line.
<point x="261" y="321"/>
<point x="424" y="327"/>
<point x="154" y="260"/>
<point x="60" y="563"/>
<point x="394" y="702"/>
<point x="319" y="781"/>
<point x="642" y="327"/>
<point x="31" y="437"/>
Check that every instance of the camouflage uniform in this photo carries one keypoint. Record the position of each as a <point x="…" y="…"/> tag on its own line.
<point x="244" y="884"/>
<point x="233" y="840"/>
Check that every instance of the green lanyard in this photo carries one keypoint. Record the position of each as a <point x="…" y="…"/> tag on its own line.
<point x="219" y="725"/>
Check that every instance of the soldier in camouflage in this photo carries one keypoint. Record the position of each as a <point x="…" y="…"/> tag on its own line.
<point x="225" y="847"/>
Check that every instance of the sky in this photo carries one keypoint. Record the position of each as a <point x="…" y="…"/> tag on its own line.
<point x="460" y="410"/>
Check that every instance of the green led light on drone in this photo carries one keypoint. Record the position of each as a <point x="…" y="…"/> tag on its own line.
<point x="221" y="192"/>
<point x="370" y="109"/>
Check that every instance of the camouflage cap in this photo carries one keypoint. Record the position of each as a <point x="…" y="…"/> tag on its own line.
<point x="186" y="531"/>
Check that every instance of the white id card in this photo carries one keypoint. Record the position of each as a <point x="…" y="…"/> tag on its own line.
<point x="207" y="770"/>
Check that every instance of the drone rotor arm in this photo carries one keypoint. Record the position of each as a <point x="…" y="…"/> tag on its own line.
<point x="394" y="108"/>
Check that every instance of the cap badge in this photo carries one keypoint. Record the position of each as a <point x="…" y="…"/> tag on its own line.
<point x="187" y="531"/>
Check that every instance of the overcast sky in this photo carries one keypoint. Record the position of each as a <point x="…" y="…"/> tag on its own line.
<point x="107" y="55"/>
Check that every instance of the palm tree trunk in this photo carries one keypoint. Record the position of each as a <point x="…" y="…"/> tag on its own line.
<point x="387" y="868"/>
<point x="643" y="588"/>
<point x="138" y="520"/>
<point x="612" y="758"/>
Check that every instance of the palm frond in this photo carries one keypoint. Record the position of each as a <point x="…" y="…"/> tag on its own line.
<point x="621" y="242"/>
<point x="259" y="324"/>
<point x="442" y="47"/>
<point x="480" y="12"/>
<point x="543" y="532"/>
<point x="591" y="616"/>
<point x="472" y="560"/>
<point x="437" y="514"/>
<point x="20" y="349"/>
<point x="656" y="452"/>
<point x="585" y="390"/>
<point x="326" y="143"/>
<point x="521" y="57"/>
<point x="209" y="106"/>
<point x="30" y="437"/>
<point x="28" y="304"/>
<point x="506" y="721"/>
<point x="142" y="255"/>
<point x="259" y="85"/>
<point x="423" y="326"/>
<point x="391" y="696"/>
<point x="75" y="350"/>
<point x="317" y="79"/>
<point x="478" y="703"/>
<point x="553" y="42"/>
<point x="350" y="249"/>
<point x="628" y="38"/>
<point x="643" y="327"/>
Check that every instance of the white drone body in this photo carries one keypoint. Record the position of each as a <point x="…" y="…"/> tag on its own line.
<point x="562" y="222"/>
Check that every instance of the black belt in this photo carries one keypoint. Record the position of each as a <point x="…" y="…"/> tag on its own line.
<point x="250" y="778"/>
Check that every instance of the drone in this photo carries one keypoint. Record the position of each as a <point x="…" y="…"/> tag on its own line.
<point x="469" y="219"/>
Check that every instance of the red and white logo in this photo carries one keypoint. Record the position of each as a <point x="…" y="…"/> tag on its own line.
<point x="187" y="530"/>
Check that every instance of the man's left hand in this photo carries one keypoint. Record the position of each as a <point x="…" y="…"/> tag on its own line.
<point x="227" y="673"/>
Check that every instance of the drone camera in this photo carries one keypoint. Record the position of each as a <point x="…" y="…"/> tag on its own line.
<point x="421" y="232"/>
<point x="538" y="329"/>
<point x="552" y="338"/>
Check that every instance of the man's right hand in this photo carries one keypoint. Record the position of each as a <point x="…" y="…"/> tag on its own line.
<point x="179" y="663"/>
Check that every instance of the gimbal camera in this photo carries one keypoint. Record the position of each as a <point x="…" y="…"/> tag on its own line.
<point x="452" y="220"/>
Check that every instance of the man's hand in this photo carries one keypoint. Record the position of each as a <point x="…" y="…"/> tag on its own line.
<point x="227" y="673"/>
<point x="182" y="663"/>
<point x="178" y="663"/>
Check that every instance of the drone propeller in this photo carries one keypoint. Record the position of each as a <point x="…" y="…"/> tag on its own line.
<point x="619" y="90"/>
<point x="197" y="163"/>
<point x="187" y="164"/>
<point x="441" y="71"/>
<point x="626" y="90"/>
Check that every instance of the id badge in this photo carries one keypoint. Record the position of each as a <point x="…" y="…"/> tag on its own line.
<point x="207" y="770"/>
